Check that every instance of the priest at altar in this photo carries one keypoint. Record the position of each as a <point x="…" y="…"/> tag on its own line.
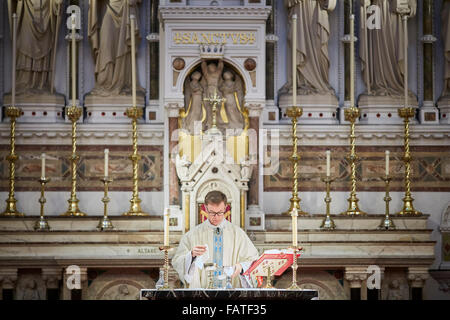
<point x="218" y="241"/>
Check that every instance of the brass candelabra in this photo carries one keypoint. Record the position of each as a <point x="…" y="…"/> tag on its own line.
<point x="408" y="208"/>
<point x="328" y="223"/>
<point x="294" y="113"/>
<point x="351" y="114"/>
<point x="42" y="223"/>
<point x="134" y="114"/>
<point x="105" y="223"/>
<point x="11" y="209"/>
<point x="166" y="266"/>
<point x="74" y="113"/>
<point x="294" y="285"/>
<point x="387" y="222"/>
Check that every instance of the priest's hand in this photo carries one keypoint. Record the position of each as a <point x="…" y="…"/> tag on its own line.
<point x="237" y="270"/>
<point x="198" y="251"/>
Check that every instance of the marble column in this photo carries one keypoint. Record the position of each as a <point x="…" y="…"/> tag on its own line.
<point x="8" y="279"/>
<point x="356" y="278"/>
<point x="417" y="277"/>
<point x="428" y="112"/>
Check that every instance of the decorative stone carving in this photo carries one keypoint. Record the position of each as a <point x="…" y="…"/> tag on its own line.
<point x="417" y="276"/>
<point x="395" y="286"/>
<point x="117" y="285"/>
<point x="355" y="276"/>
<point x="182" y="166"/>
<point x="8" y="278"/>
<point x="30" y="287"/>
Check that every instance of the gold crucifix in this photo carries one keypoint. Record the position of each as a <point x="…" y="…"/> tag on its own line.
<point x="214" y="100"/>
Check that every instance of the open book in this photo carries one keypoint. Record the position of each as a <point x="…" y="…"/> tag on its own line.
<point x="277" y="260"/>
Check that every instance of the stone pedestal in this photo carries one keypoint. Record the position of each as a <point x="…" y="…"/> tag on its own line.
<point x="45" y="108"/>
<point x="317" y="109"/>
<point x="383" y="109"/>
<point x="110" y="109"/>
<point x="444" y="108"/>
<point x="428" y="113"/>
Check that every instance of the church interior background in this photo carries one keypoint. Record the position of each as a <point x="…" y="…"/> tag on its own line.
<point x="165" y="157"/>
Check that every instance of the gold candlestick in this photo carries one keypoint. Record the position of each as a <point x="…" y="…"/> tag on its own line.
<point x="387" y="222"/>
<point x="105" y="224"/>
<point x="135" y="208"/>
<point x="294" y="113"/>
<point x="42" y="223"/>
<point x="294" y="285"/>
<point x="166" y="267"/>
<point x="13" y="113"/>
<point x="74" y="114"/>
<point x="351" y="114"/>
<point x="11" y="210"/>
<point x="408" y="208"/>
<point x="328" y="223"/>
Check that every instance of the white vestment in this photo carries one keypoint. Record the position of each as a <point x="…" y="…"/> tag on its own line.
<point x="237" y="248"/>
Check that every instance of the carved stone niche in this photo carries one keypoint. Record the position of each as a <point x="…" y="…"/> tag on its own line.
<point x="30" y="287"/>
<point x="119" y="285"/>
<point x="395" y="285"/>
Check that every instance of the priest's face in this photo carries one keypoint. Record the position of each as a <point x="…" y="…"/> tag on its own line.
<point x="216" y="212"/>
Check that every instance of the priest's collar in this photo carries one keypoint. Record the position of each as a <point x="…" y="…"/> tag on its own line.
<point x="221" y="225"/>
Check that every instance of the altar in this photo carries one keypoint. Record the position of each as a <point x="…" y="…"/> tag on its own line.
<point x="230" y="295"/>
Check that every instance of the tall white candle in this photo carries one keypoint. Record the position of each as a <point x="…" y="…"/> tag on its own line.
<point x="106" y="161"/>
<point x="166" y="227"/>
<point x="294" y="60"/>
<point x="387" y="162"/>
<point x="14" y="49"/>
<point x="74" y="63"/>
<point x="43" y="166"/>
<point x="294" y="227"/>
<point x="352" y="60"/>
<point x="328" y="163"/>
<point x="133" y="59"/>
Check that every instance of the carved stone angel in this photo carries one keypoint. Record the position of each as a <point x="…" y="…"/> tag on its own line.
<point x="232" y="90"/>
<point x="182" y="165"/>
<point x="195" y="112"/>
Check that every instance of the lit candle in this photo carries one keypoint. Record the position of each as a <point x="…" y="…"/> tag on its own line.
<point x="74" y="63"/>
<point x="43" y="166"/>
<point x="387" y="162"/>
<point x="294" y="227"/>
<point x="328" y="162"/>
<point x="166" y="227"/>
<point x="133" y="59"/>
<point x="106" y="161"/>
<point x="294" y="60"/>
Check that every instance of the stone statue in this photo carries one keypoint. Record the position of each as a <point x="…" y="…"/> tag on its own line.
<point x="182" y="165"/>
<point x="195" y="112"/>
<point x="446" y="39"/>
<point x="385" y="63"/>
<point x="313" y="32"/>
<point x="213" y="79"/>
<point x="38" y="22"/>
<point x="233" y="91"/>
<point x="395" y="291"/>
<point x="212" y="74"/>
<point x="109" y="35"/>
<point x="246" y="169"/>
